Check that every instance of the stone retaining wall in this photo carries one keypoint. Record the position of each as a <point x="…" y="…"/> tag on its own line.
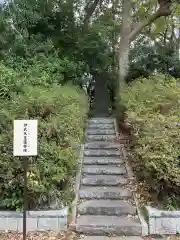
<point x="163" y="222"/>
<point x="53" y="220"/>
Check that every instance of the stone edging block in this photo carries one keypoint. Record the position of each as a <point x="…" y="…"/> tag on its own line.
<point x="163" y="222"/>
<point x="53" y="220"/>
<point x="72" y="225"/>
<point x="144" y="225"/>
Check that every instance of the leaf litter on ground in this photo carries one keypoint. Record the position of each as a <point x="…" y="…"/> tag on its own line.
<point x="38" y="236"/>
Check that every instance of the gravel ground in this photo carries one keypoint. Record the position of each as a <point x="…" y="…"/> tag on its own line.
<point x="38" y="236"/>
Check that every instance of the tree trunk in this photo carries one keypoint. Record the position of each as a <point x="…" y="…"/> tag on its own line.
<point x="124" y="42"/>
<point x="113" y="40"/>
<point x="178" y="44"/>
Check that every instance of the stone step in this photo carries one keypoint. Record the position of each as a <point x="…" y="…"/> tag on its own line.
<point x="100" y="126"/>
<point x="104" y="169"/>
<point x="104" y="193"/>
<point x="100" y="132"/>
<point x="106" y="207"/>
<point x="104" y="180"/>
<point x="102" y="145"/>
<point x="101" y="120"/>
<point x="102" y="152"/>
<point x="103" y="161"/>
<point x="105" y="225"/>
<point x="101" y="137"/>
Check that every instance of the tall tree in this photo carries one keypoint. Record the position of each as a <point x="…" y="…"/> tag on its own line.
<point x="128" y="35"/>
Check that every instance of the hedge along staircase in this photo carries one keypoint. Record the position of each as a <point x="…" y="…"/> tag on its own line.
<point x="105" y="205"/>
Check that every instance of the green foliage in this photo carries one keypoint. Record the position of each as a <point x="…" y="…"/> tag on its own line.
<point x="153" y="111"/>
<point x="61" y="112"/>
<point x="40" y="62"/>
<point x="143" y="60"/>
<point x="50" y="28"/>
<point x="146" y="58"/>
<point x="9" y="82"/>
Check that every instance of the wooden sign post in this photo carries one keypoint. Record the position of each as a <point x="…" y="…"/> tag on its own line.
<point x="25" y="145"/>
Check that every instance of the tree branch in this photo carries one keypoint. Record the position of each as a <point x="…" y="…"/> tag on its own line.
<point x="164" y="10"/>
<point x="89" y="10"/>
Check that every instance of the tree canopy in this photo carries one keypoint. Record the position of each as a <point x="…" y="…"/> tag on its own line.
<point x="89" y="35"/>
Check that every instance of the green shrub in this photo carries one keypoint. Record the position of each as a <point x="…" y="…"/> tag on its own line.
<point x="153" y="111"/>
<point x="45" y="70"/>
<point x="40" y="63"/>
<point x="10" y="82"/>
<point x="61" y="112"/>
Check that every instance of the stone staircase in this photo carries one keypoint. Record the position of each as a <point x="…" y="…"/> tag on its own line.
<point x="105" y="206"/>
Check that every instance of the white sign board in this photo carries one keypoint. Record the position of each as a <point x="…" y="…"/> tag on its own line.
<point x="25" y="138"/>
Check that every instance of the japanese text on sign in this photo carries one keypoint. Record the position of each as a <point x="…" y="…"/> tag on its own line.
<point x="25" y="137"/>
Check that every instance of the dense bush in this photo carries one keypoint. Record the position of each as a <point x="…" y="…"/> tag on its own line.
<point x="9" y="82"/>
<point x="153" y="111"/>
<point x="61" y="112"/>
<point x="41" y="63"/>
